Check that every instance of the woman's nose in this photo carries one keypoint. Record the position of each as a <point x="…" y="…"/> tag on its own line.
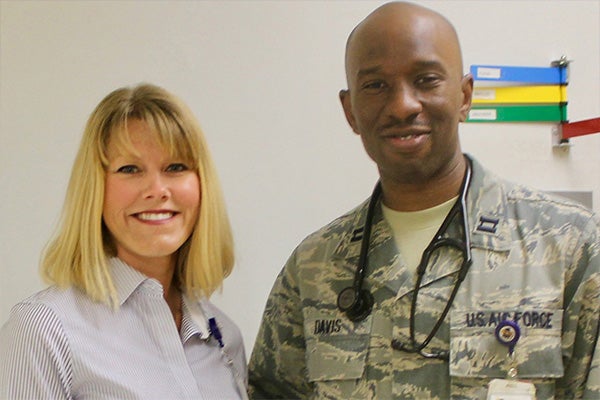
<point x="156" y="187"/>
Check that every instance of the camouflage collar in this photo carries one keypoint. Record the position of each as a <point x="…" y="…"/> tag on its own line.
<point x="487" y="211"/>
<point x="488" y="226"/>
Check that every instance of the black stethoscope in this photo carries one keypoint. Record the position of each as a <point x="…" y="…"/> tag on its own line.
<point x="357" y="302"/>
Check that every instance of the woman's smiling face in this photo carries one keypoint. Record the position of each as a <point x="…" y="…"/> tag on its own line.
<point x="151" y="199"/>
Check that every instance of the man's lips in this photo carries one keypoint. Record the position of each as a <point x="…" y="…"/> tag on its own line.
<point x="406" y="140"/>
<point x="404" y="134"/>
<point x="404" y="137"/>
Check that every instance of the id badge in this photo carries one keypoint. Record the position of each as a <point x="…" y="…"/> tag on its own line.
<point x="504" y="389"/>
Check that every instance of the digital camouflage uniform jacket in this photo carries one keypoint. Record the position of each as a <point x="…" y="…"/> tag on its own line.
<point x="535" y="261"/>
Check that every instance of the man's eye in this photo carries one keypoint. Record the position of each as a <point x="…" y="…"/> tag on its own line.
<point x="374" y="85"/>
<point x="177" y="167"/>
<point x="128" y="169"/>
<point x="428" y="81"/>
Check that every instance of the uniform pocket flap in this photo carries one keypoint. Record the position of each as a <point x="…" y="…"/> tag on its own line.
<point x="336" y="348"/>
<point x="476" y="352"/>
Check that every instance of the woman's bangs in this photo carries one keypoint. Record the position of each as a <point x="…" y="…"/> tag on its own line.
<point x="117" y="138"/>
<point x="174" y="139"/>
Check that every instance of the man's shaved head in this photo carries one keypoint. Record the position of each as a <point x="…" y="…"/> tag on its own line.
<point x="394" y="18"/>
<point x="406" y="96"/>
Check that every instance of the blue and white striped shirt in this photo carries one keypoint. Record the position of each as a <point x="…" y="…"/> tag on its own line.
<point x="59" y="344"/>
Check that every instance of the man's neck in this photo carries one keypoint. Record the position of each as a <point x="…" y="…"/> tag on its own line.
<point x="403" y="196"/>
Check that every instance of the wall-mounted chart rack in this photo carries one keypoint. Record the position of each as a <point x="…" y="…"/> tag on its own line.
<point x="527" y="94"/>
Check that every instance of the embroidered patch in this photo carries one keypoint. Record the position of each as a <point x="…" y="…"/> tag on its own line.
<point x="537" y="319"/>
<point x="327" y="326"/>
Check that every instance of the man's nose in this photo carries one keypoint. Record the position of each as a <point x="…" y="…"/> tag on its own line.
<point x="403" y="103"/>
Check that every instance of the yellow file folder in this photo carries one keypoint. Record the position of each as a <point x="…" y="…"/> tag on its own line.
<point x="542" y="94"/>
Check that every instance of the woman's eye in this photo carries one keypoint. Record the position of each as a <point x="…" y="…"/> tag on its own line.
<point x="128" y="169"/>
<point x="177" y="167"/>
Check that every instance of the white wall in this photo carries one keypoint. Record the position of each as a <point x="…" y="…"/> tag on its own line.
<point x="263" y="79"/>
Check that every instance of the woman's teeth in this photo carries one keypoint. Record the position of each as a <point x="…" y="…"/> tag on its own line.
<point x="154" y="216"/>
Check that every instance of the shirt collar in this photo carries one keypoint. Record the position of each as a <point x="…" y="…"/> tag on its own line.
<point x="195" y="318"/>
<point x="126" y="279"/>
<point x="487" y="218"/>
<point x="487" y="205"/>
<point x="488" y="224"/>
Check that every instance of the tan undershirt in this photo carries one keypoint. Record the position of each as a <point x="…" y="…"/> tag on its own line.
<point x="413" y="230"/>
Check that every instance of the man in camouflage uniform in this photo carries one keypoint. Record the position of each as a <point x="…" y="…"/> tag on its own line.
<point x="535" y="259"/>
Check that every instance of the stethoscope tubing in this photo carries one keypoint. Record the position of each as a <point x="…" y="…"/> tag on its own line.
<point x="364" y="245"/>
<point x="438" y="241"/>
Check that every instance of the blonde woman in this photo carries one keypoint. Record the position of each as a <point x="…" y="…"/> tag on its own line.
<point x="143" y="242"/>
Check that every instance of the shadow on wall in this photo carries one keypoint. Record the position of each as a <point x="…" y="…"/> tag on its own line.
<point x="583" y="197"/>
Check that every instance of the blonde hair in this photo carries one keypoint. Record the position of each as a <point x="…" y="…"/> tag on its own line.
<point x="78" y="254"/>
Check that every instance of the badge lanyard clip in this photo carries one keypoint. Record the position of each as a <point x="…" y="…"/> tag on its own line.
<point x="508" y="334"/>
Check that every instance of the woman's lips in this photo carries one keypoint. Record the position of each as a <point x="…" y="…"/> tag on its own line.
<point x="155" y="215"/>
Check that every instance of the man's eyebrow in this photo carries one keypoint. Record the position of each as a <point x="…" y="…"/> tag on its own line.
<point x="423" y="64"/>
<point x="430" y="64"/>
<point x="368" y="71"/>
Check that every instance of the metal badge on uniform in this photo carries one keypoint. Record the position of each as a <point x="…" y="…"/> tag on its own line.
<point x="503" y="389"/>
<point x="508" y="334"/>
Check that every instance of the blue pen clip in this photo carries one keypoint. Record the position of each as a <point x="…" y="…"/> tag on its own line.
<point x="215" y="332"/>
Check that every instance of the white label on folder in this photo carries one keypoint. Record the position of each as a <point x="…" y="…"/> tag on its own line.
<point x="490" y="73"/>
<point x="483" y="114"/>
<point x="484" y="94"/>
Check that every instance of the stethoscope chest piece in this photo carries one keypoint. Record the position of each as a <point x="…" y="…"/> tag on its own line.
<point x="357" y="304"/>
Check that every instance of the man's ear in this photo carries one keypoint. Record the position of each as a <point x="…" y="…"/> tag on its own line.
<point x="467" y="90"/>
<point x="347" y="106"/>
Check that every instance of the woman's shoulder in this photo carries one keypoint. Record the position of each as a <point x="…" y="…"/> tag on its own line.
<point x="50" y="306"/>
<point x="52" y="298"/>
<point x="34" y="324"/>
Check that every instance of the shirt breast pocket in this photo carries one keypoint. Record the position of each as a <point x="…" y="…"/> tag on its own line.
<point x="336" y="347"/>
<point x="476" y="352"/>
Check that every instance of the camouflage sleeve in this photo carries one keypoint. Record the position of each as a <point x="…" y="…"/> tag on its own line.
<point x="592" y="389"/>
<point x="581" y="322"/>
<point x="277" y="368"/>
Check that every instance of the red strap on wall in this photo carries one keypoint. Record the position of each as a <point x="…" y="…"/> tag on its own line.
<point x="580" y="128"/>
